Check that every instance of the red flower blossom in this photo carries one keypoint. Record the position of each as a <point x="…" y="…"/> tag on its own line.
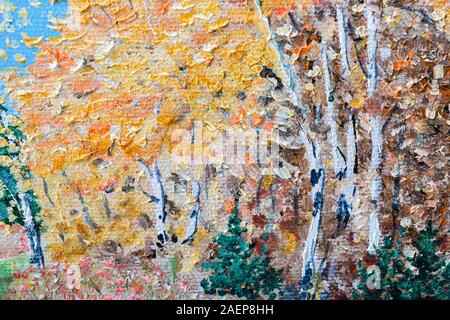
<point x="138" y="289"/>
<point x="102" y="274"/>
<point x="120" y="290"/>
<point x="120" y="282"/>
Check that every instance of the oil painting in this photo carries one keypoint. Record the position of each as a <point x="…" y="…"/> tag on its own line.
<point x="224" y="149"/>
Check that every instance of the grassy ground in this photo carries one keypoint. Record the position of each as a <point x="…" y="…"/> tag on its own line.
<point x="8" y="267"/>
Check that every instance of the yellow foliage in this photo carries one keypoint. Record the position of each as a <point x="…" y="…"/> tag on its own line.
<point x="291" y="241"/>
<point x="111" y="89"/>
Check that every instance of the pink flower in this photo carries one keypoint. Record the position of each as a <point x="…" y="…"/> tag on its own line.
<point x="102" y="274"/>
<point x="123" y="266"/>
<point x="183" y="286"/>
<point x="85" y="263"/>
<point x="73" y="277"/>
<point x="53" y="271"/>
<point x="110" y="263"/>
<point x="23" y="243"/>
<point x="120" y="282"/>
<point x="146" y="279"/>
<point x="120" y="290"/>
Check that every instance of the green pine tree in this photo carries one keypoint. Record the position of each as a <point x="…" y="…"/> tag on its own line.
<point x="237" y="269"/>
<point x="17" y="206"/>
<point x="421" y="274"/>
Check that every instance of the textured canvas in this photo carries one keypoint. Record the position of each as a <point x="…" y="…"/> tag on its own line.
<point x="224" y="149"/>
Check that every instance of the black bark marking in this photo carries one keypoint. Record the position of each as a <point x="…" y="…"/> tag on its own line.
<point x="268" y="73"/>
<point x="315" y="176"/>
<point x="342" y="213"/>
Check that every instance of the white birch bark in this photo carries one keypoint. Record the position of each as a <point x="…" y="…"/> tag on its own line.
<point x="5" y="122"/>
<point x="159" y="198"/>
<point x="310" y="266"/>
<point x="376" y="128"/>
<point x="4" y="119"/>
<point x="289" y="74"/>
<point x="343" y="40"/>
<point x="34" y="239"/>
<point x="339" y="161"/>
<point x="313" y="153"/>
<point x="349" y="187"/>
<point x="195" y="213"/>
<point x="345" y="202"/>
<point x="33" y="234"/>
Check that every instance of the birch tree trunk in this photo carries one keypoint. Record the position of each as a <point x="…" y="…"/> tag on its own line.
<point x="343" y="40"/>
<point x="309" y="267"/>
<point x="159" y="198"/>
<point x="23" y="204"/>
<point x="195" y="214"/>
<point x="196" y="159"/>
<point x="45" y="187"/>
<point x="376" y="129"/>
<point x="34" y="237"/>
<point x="339" y="160"/>
<point x="86" y="214"/>
<point x="313" y="154"/>
<point x="345" y="202"/>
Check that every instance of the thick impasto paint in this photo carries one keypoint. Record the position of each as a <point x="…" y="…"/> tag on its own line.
<point x="204" y="149"/>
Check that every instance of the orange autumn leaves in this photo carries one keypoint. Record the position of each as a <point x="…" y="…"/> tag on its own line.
<point x="52" y="63"/>
<point x="400" y="65"/>
<point x="124" y="84"/>
<point x="84" y="85"/>
<point x="279" y="9"/>
<point x="256" y="120"/>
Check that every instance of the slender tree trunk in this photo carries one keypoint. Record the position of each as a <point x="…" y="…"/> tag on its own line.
<point x="289" y="74"/>
<point x="313" y="154"/>
<point x="339" y="160"/>
<point x="196" y="158"/>
<point x="309" y="267"/>
<point x="159" y="198"/>
<point x="33" y="233"/>
<point x="4" y="119"/>
<point x="345" y="202"/>
<point x="195" y="214"/>
<point x="106" y="205"/>
<point x="343" y="40"/>
<point x="376" y="129"/>
<point x="45" y="186"/>
<point x="5" y="123"/>
<point x="395" y="201"/>
<point x="86" y="214"/>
